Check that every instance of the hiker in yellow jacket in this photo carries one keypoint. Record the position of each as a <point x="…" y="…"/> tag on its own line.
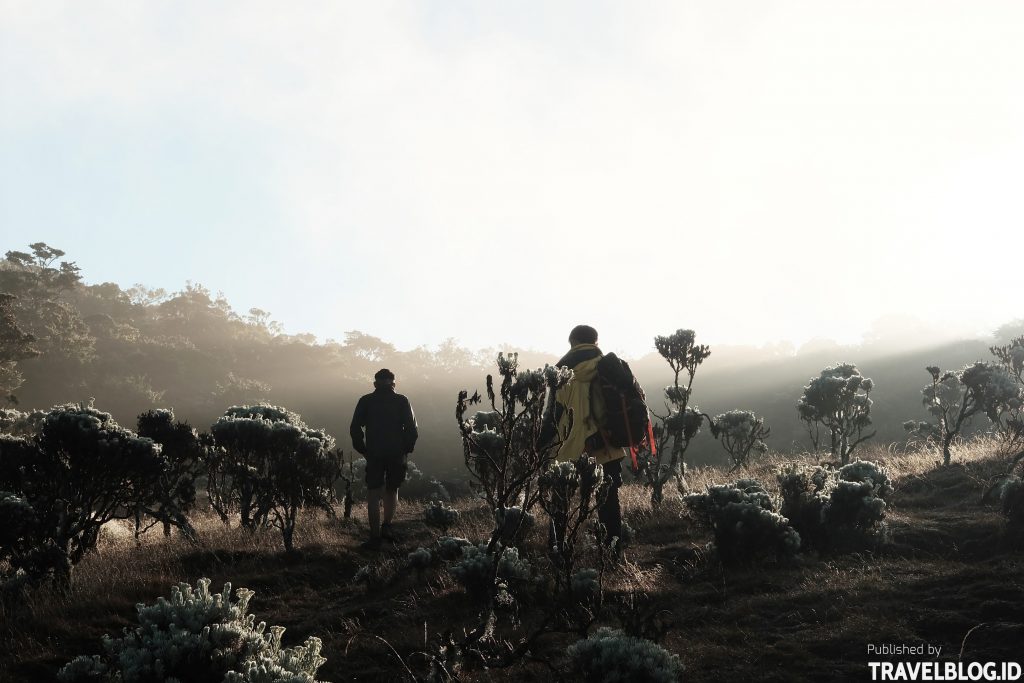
<point x="584" y="434"/>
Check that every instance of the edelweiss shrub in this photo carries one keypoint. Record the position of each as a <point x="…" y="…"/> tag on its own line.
<point x="1011" y="498"/>
<point x="585" y="585"/>
<point x="838" y="403"/>
<point x="831" y="508"/>
<point x="854" y="506"/>
<point x="609" y="656"/>
<point x="512" y="524"/>
<point x="475" y="570"/>
<point x="77" y="472"/>
<point x="198" y="636"/>
<point x="421" y="559"/>
<point x="855" y="503"/>
<point x="706" y="505"/>
<point x="953" y="399"/>
<point x="805" y="491"/>
<point x="674" y="431"/>
<point x="175" y="496"/>
<point x="744" y="521"/>
<point x="571" y="493"/>
<point x="439" y="515"/>
<point x="17" y="423"/>
<point x="450" y="547"/>
<point x="18" y="537"/>
<point x="869" y="472"/>
<point x="746" y="531"/>
<point x="276" y="466"/>
<point x="742" y="435"/>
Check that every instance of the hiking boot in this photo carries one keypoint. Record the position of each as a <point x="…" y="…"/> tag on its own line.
<point x="387" y="532"/>
<point x="371" y="544"/>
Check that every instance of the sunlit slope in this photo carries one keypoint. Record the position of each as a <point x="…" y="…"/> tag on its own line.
<point x="771" y="388"/>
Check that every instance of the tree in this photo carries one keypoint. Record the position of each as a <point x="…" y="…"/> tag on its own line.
<point x="742" y="434"/>
<point x="838" y="400"/>
<point x="41" y="307"/>
<point x="1011" y="423"/>
<point x="502" y="448"/>
<point x="955" y="398"/>
<point x="276" y="465"/>
<point x="78" y="472"/>
<point x="681" y="421"/>
<point x="175" y="495"/>
<point x="15" y="345"/>
<point x="514" y="465"/>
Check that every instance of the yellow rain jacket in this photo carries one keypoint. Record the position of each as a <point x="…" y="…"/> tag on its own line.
<point x="586" y="405"/>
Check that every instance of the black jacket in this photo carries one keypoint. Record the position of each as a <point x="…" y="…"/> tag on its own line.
<point x="389" y="423"/>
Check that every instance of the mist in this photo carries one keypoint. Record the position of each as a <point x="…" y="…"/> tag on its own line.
<point x="130" y="349"/>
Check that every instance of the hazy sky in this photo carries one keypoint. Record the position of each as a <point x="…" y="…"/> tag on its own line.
<point x="498" y="172"/>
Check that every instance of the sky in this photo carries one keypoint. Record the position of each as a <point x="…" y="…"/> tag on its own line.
<point x="499" y="172"/>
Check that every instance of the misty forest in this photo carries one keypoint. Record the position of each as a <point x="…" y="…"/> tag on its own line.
<point x="180" y="500"/>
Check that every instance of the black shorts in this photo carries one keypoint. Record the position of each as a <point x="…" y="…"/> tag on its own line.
<point x="386" y="471"/>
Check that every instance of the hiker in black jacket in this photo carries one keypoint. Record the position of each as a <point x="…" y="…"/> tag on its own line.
<point x="390" y="437"/>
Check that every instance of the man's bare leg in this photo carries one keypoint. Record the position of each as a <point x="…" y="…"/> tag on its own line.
<point x="373" y="499"/>
<point x="390" y="505"/>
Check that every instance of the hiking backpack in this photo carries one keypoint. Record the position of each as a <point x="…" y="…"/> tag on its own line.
<point x="625" y="422"/>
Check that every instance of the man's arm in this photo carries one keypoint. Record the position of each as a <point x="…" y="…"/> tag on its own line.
<point x="356" y="428"/>
<point x="410" y="432"/>
<point x="552" y="414"/>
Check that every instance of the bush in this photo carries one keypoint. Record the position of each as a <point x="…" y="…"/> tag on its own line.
<point x="868" y="472"/>
<point x="450" y="547"/>
<point x="198" y="636"/>
<point x="442" y="516"/>
<point x="856" y="501"/>
<point x="571" y="493"/>
<point x="706" y="505"/>
<point x="79" y="471"/>
<point x="421" y="559"/>
<point x="609" y="656"/>
<point x="1011" y="499"/>
<point x="745" y="532"/>
<point x="276" y="464"/>
<point x="511" y="523"/>
<point x="585" y="585"/>
<point x="805" y="491"/>
<point x="830" y="508"/>
<point x="17" y="423"/>
<point x="744" y="521"/>
<point x="475" y="571"/>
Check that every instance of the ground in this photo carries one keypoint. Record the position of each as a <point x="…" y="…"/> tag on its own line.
<point x="949" y="577"/>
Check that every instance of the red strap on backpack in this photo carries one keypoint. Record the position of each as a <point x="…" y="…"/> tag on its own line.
<point x="629" y="433"/>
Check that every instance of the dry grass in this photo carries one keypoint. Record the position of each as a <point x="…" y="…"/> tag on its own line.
<point x="948" y="569"/>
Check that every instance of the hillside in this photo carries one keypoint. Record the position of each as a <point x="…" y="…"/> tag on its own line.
<point x="948" y="577"/>
<point x="134" y="349"/>
<point x="771" y="389"/>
